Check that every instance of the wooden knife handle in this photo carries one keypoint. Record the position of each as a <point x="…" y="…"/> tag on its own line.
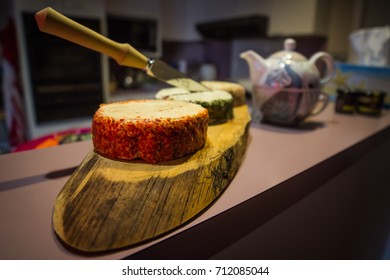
<point x="52" y="22"/>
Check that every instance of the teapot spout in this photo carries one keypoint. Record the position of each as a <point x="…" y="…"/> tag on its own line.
<point x="257" y="66"/>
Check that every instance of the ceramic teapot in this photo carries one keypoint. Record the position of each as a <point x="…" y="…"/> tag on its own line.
<point x="287" y="86"/>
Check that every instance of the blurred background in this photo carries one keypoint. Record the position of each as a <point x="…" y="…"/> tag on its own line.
<point x="51" y="88"/>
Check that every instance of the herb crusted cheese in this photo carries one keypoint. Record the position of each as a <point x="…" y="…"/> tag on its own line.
<point x="218" y="103"/>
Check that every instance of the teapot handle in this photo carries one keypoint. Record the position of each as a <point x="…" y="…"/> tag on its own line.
<point x="328" y="59"/>
<point x="324" y="99"/>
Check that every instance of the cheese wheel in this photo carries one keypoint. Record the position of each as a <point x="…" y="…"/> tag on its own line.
<point x="151" y="130"/>
<point x="236" y="90"/>
<point x="218" y="103"/>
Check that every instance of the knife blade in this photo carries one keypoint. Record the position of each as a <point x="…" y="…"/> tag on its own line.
<point x="52" y="22"/>
<point x="162" y="71"/>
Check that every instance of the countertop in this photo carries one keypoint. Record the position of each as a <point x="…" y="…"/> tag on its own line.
<point x="31" y="180"/>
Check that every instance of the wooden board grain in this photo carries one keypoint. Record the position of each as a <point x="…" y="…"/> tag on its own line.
<point x="108" y="204"/>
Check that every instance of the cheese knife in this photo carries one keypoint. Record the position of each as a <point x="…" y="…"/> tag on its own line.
<point x="52" y="22"/>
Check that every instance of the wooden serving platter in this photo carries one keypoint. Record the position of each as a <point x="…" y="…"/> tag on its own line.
<point x="108" y="204"/>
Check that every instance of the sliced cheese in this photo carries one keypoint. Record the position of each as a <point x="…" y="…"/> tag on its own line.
<point x="236" y="90"/>
<point x="219" y="103"/>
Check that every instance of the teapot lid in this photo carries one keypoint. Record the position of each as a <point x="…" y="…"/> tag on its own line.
<point x="288" y="52"/>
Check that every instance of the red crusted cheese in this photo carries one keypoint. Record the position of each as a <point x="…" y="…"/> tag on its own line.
<point x="151" y="130"/>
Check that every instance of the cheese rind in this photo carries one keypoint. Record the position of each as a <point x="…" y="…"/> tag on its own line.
<point x="151" y="130"/>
